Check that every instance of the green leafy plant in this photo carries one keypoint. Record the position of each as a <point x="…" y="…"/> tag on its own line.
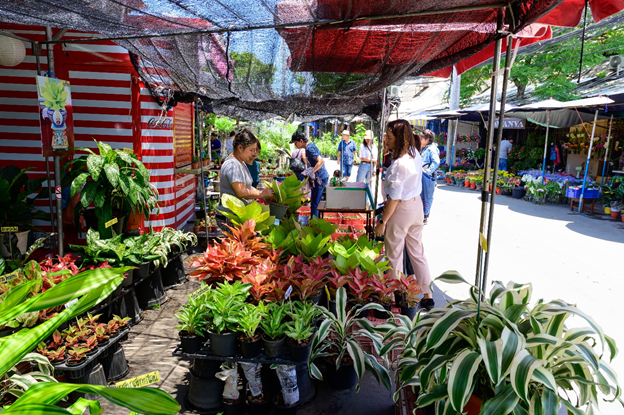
<point x="306" y="312"/>
<point x="16" y="207"/>
<point x="298" y="331"/>
<point x="336" y="339"/>
<point x="17" y="383"/>
<point x="192" y="316"/>
<point x="516" y="357"/>
<point x="272" y="322"/>
<point x="288" y="192"/>
<point x="224" y="306"/>
<point x="100" y="250"/>
<point x="249" y="320"/>
<point x="115" y="181"/>
<point x="241" y="213"/>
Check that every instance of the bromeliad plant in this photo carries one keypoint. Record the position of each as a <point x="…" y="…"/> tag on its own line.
<point x="336" y="339"/>
<point x="514" y="356"/>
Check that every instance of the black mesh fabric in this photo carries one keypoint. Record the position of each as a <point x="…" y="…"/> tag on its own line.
<point x="258" y="58"/>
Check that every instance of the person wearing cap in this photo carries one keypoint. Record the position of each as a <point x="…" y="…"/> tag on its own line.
<point x="215" y="144"/>
<point x="368" y="159"/>
<point x="316" y="171"/>
<point x="346" y="152"/>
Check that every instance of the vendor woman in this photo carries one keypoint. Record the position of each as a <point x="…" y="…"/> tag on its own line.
<point x="235" y="177"/>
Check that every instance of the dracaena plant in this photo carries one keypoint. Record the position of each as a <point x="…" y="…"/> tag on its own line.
<point x="337" y="339"/>
<point x="298" y="331"/>
<point x="515" y="356"/>
<point x="306" y="312"/>
<point x="249" y="320"/>
<point x="272" y="322"/>
<point x="192" y="316"/>
<point x="113" y="180"/>
<point x="17" y="383"/>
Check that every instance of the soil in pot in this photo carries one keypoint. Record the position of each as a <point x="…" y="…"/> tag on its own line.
<point x="299" y="352"/>
<point x="223" y="344"/>
<point x="281" y="408"/>
<point x="190" y="343"/>
<point x="342" y="378"/>
<point x="250" y="349"/>
<point x="231" y="407"/>
<point x="383" y="315"/>
<point x="73" y="362"/>
<point x="273" y="348"/>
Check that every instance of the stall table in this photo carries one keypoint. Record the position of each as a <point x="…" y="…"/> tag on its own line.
<point x="370" y="213"/>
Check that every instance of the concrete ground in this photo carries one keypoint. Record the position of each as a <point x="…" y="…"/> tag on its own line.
<point x="564" y="255"/>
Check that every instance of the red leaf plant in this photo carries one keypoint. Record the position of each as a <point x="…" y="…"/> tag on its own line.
<point x="384" y="286"/>
<point x="260" y="279"/>
<point x="227" y="260"/>
<point x="249" y="239"/>
<point x="336" y="281"/>
<point x="410" y="290"/>
<point x="359" y="285"/>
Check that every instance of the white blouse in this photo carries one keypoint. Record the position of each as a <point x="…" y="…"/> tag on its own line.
<point x="365" y="153"/>
<point x="404" y="178"/>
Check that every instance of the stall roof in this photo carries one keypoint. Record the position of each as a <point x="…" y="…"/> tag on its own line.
<point x="250" y="57"/>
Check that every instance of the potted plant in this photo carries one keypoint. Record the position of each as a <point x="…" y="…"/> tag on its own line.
<point x="77" y="356"/>
<point x="336" y="342"/>
<point x="248" y="322"/>
<point x="384" y="286"/>
<point x="223" y="306"/>
<point x="287" y="196"/>
<point x="410" y="291"/>
<point x="504" y="352"/>
<point x="191" y="318"/>
<point x="195" y="162"/>
<point x="196" y="225"/>
<point x="116" y="182"/>
<point x="335" y="281"/>
<point x="205" y="159"/>
<point x="272" y="325"/>
<point x="17" y="210"/>
<point x="299" y="339"/>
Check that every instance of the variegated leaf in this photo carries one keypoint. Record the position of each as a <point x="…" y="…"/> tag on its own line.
<point x="521" y="372"/>
<point x="445" y="325"/>
<point x="512" y="345"/>
<point x="436" y="394"/>
<point x="461" y="378"/>
<point x="501" y="404"/>
<point x="545" y="377"/>
<point x="492" y="353"/>
<point x="452" y="277"/>
<point x="550" y="402"/>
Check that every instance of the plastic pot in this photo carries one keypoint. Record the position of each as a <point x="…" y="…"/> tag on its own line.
<point x="258" y="408"/>
<point x="205" y="389"/>
<point x="142" y="271"/>
<point x="383" y="315"/>
<point x="342" y="378"/>
<point x="114" y="363"/>
<point x="278" y="210"/>
<point x="517" y="192"/>
<point x="332" y="307"/>
<point x="234" y="408"/>
<point x="151" y="291"/>
<point x="399" y="297"/>
<point x="251" y="349"/>
<point x="128" y="278"/>
<point x="223" y="344"/>
<point x="190" y="343"/>
<point x="409" y="312"/>
<point x="280" y="409"/>
<point x="273" y="348"/>
<point x="94" y="375"/>
<point x="22" y="243"/>
<point x="299" y="353"/>
<point x="173" y="273"/>
<point x="314" y="299"/>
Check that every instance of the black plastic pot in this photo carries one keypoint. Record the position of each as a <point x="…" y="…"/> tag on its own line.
<point x="94" y="375"/>
<point x="342" y="378"/>
<point x="258" y="408"/>
<point x="251" y="349"/>
<point x="299" y="353"/>
<point x="332" y="307"/>
<point x="6" y="332"/>
<point x="307" y="392"/>
<point x="273" y="348"/>
<point x="205" y="389"/>
<point x="223" y="344"/>
<point x="128" y="278"/>
<point x="190" y="343"/>
<point x="200" y="214"/>
<point x="383" y="315"/>
<point x="114" y="363"/>
<point x="283" y="410"/>
<point x="151" y="291"/>
<point x="518" y="192"/>
<point x="399" y="298"/>
<point x="234" y="408"/>
<point x="409" y="312"/>
<point x="142" y="271"/>
<point x="173" y="273"/>
<point x="132" y="308"/>
<point x="314" y="299"/>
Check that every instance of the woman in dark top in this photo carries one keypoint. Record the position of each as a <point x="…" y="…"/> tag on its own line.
<point x="316" y="164"/>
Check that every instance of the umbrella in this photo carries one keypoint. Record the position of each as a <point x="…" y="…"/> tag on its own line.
<point x="570" y="12"/>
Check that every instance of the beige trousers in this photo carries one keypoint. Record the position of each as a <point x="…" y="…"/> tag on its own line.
<point x="404" y="228"/>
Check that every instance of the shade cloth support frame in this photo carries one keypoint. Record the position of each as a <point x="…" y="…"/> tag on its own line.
<point x="606" y="157"/>
<point x="546" y="146"/>
<point x="591" y="144"/>
<point x="382" y="131"/>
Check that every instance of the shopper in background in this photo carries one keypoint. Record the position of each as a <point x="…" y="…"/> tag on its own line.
<point x="346" y="154"/>
<point x="402" y="219"/>
<point x="316" y="171"/>
<point x="503" y="153"/>
<point x="254" y="167"/>
<point x="229" y="143"/>
<point x="431" y="160"/>
<point x="368" y="159"/>
<point x="215" y="144"/>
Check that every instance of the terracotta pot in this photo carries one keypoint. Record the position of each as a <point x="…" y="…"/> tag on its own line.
<point x="195" y="229"/>
<point x="467" y="183"/>
<point x="195" y="165"/>
<point x="498" y="191"/>
<point x="448" y="180"/>
<point x="614" y="214"/>
<point x="135" y="220"/>
<point x="205" y="162"/>
<point x="622" y="217"/>
<point x="473" y="407"/>
<point x="473" y="185"/>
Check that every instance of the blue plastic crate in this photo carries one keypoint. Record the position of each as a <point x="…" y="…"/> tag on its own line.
<point x="575" y="193"/>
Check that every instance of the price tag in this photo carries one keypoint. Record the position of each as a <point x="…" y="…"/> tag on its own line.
<point x="9" y="277"/>
<point x="140" y="381"/>
<point x="288" y="292"/>
<point x="198" y="293"/>
<point x="110" y="223"/>
<point x="483" y="242"/>
<point x="128" y="150"/>
<point x="58" y="193"/>
<point x="9" y="229"/>
<point x="71" y="303"/>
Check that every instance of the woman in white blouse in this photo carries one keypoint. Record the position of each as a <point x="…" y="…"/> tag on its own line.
<point x="368" y="158"/>
<point x="402" y="219"/>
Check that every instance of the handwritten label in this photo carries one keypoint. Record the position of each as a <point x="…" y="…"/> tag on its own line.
<point x="128" y="150"/>
<point x="140" y="381"/>
<point x="110" y="223"/>
<point x="71" y="303"/>
<point x="483" y="242"/>
<point x="288" y="292"/>
<point x="198" y="293"/>
<point x="9" y="229"/>
<point x="9" y="277"/>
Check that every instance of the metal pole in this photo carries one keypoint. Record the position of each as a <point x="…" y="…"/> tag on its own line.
<point x="501" y="118"/>
<point x="453" y="138"/>
<point x="57" y="161"/>
<point x="545" y="145"/>
<point x="591" y="143"/>
<point x="382" y="130"/>
<point x="488" y="155"/>
<point x="200" y="123"/>
<point x="583" y="42"/>
<point x="606" y="157"/>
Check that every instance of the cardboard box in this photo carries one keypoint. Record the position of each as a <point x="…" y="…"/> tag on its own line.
<point x="351" y="197"/>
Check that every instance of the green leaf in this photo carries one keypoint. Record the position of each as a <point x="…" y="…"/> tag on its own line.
<point x="112" y="173"/>
<point x="436" y="394"/>
<point x="521" y="372"/>
<point x="545" y="377"/>
<point x="550" y="402"/>
<point x="492" y="353"/>
<point x="357" y="355"/>
<point x="445" y="325"/>
<point x="501" y="404"/>
<point x="461" y="378"/>
<point x="452" y="277"/>
<point x="434" y="364"/>
<point x="100" y="197"/>
<point x="512" y="345"/>
<point x="88" y="194"/>
<point x="94" y="165"/>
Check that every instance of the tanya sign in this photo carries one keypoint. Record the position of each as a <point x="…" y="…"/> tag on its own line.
<point x="55" y="116"/>
<point x="511" y="123"/>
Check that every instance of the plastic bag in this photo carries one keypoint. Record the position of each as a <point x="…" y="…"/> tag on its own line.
<point x="253" y="376"/>
<point x="230" y="377"/>
<point x="287" y="375"/>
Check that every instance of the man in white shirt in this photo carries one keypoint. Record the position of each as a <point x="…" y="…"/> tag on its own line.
<point x="503" y="153"/>
<point x="368" y="159"/>
<point x="229" y="144"/>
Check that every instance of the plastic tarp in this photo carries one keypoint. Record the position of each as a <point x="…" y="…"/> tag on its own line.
<point x="562" y="114"/>
<point x="570" y="12"/>
<point x="256" y="58"/>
